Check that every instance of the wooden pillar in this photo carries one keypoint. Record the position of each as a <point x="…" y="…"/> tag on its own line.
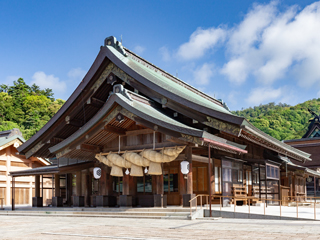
<point x="37" y="186"/>
<point x="83" y="183"/>
<point x="89" y="188"/>
<point x="78" y="183"/>
<point x="103" y="182"/>
<point x="8" y="178"/>
<point x="182" y="185"/>
<point x="69" y="188"/>
<point x="57" y="185"/>
<point x="42" y="187"/>
<point x="189" y="175"/>
<point x="132" y="186"/>
<point x="314" y="186"/>
<point x="13" y="194"/>
<point x="159" y="184"/>
<point x="125" y="185"/>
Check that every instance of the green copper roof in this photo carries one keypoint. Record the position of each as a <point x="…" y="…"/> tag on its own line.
<point x="175" y="86"/>
<point x="147" y="113"/>
<point x="5" y="140"/>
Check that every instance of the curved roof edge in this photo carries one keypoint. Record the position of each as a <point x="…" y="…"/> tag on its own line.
<point x="148" y="113"/>
<point x="118" y="59"/>
<point x="94" y="67"/>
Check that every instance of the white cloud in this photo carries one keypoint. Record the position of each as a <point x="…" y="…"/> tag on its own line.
<point x="201" y="41"/>
<point x="49" y="81"/>
<point x="264" y="95"/>
<point x="166" y="56"/>
<point x="236" y="70"/>
<point x="203" y="74"/>
<point x="76" y="73"/>
<point x="269" y="45"/>
<point x="139" y="49"/>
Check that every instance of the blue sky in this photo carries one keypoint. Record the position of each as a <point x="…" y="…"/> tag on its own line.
<point x="244" y="52"/>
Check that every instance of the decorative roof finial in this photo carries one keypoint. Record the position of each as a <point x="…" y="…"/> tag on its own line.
<point x="112" y="41"/>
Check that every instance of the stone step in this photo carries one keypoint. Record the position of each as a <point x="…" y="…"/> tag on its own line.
<point x="112" y="214"/>
<point x="106" y="209"/>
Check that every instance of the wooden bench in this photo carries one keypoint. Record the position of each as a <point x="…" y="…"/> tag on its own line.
<point x="239" y="194"/>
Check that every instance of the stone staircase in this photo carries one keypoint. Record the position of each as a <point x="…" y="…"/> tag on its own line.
<point x="150" y="213"/>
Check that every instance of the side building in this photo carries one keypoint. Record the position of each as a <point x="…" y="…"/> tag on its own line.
<point x="10" y="160"/>
<point x="310" y="143"/>
<point x="144" y="129"/>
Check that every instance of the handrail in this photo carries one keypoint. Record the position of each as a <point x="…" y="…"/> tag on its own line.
<point x="268" y="199"/>
<point x="312" y="200"/>
<point x="195" y="198"/>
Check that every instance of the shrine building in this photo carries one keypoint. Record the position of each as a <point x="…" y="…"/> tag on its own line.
<point x="132" y="134"/>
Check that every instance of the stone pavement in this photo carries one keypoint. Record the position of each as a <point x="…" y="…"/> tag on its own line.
<point x="21" y="227"/>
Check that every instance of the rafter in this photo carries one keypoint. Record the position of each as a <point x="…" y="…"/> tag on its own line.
<point x="115" y="130"/>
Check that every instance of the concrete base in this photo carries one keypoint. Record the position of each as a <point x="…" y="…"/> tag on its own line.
<point x="57" y="202"/>
<point x="37" y="202"/>
<point x="145" y="200"/>
<point x="186" y="198"/>
<point x="125" y="201"/>
<point x="227" y="214"/>
<point x="93" y="201"/>
<point x="106" y="201"/>
<point x="78" y="201"/>
<point x="160" y="200"/>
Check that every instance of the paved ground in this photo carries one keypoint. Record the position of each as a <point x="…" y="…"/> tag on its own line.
<point x="15" y="227"/>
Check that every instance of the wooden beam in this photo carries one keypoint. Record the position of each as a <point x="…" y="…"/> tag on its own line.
<point x="74" y="122"/>
<point x="89" y="148"/>
<point x="146" y="146"/>
<point x="95" y="102"/>
<point x="138" y="132"/>
<point x="34" y="149"/>
<point x="115" y="130"/>
<point x="55" y="140"/>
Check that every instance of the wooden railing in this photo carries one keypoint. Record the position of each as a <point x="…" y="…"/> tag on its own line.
<point x="195" y="199"/>
<point x="250" y="199"/>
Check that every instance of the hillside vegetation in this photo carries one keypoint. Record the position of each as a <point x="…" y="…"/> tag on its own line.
<point x="25" y="107"/>
<point x="282" y="121"/>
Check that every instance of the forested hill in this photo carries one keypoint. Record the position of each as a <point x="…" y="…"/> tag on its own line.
<point x="25" y="107"/>
<point x="282" y="121"/>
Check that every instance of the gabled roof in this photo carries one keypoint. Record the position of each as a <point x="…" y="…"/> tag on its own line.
<point x="115" y="61"/>
<point x="10" y="137"/>
<point x="140" y="109"/>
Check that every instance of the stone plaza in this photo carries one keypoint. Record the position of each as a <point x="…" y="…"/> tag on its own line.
<point x="141" y="228"/>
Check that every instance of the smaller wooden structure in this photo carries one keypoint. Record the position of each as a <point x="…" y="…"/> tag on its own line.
<point x="10" y="160"/>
